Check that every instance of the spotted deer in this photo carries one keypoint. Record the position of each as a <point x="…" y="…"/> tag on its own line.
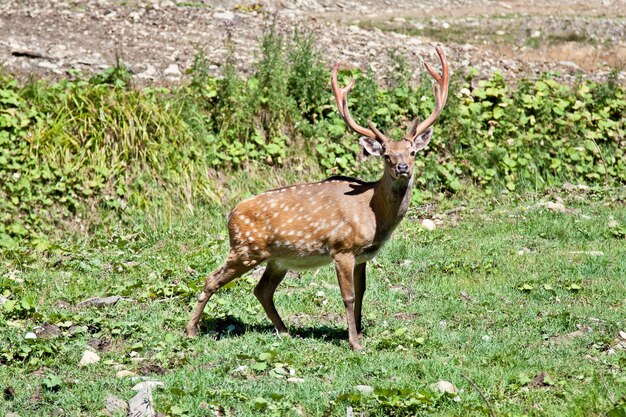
<point x="341" y="220"/>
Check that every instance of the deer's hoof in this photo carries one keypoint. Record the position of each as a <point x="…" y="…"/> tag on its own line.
<point x="357" y="347"/>
<point x="191" y="331"/>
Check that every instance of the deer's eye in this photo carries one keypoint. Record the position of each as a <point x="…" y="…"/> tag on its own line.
<point x="412" y="153"/>
<point x="387" y="158"/>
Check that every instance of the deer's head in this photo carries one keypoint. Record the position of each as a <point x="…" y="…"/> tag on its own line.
<point x="399" y="155"/>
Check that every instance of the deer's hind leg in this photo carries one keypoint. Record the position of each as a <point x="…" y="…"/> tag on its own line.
<point x="234" y="267"/>
<point x="264" y="292"/>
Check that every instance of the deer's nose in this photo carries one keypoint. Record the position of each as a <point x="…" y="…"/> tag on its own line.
<point x="402" y="167"/>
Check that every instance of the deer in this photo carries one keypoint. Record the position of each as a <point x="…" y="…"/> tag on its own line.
<point x="340" y="220"/>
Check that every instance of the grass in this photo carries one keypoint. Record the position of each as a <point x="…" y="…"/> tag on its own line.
<point x="496" y="295"/>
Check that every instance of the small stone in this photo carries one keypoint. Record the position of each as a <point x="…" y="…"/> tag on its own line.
<point x="365" y="389"/>
<point x="48" y="331"/>
<point x="30" y="335"/>
<point x="428" y="224"/>
<point x="295" y="380"/>
<point x="446" y="387"/>
<point x="172" y="71"/>
<point x="115" y="405"/>
<point x="47" y="65"/>
<point x="149" y="73"/>
<point x="227" y="15"/>
<point x="141" y="405"/>
<point x="147" y="385"/>
<point x="89" y="357"/>
<point x="124" y="373"/>
<point x="556" y="206"/>
<point x="588" y="252"/>
<point x="622" y="334"/>
<point x="445" y="25"/>
<point x="100" y="301"/>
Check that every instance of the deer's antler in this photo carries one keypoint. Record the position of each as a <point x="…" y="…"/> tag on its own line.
<point x="441" y="95"/>
<point x="341" y="96"/>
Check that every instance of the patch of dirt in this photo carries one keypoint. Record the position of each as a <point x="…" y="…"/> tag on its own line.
<point x="157" y="39"/>
<point x="150" y="368"/>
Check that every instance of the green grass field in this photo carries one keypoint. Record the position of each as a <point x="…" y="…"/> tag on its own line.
<point x="523" y="301"/>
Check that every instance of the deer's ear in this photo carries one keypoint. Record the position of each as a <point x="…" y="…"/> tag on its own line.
<point x="371" y="146"/>
<point x="422" y="140"/>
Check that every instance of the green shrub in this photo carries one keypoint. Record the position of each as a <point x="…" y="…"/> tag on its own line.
<point x="101" y="146"/>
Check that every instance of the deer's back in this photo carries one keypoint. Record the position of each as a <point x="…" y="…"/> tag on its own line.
<point x="302" y="226"/>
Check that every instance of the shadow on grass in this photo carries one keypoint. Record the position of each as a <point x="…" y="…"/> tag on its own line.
<point x="231" y="327"/>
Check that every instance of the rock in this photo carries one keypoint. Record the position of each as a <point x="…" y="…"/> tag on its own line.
<point x="141" y="405"/>
<point x="227" y="15"/>
<point x="48" y="331"/>
<point x="115" y="405"/>
<point x="587" y="252"/>
<point x="89" y="357"/>
<point x="295" y="380"/>
<point x="11" y="414"/>
<point x="100" y="301"/>
<point x="124" y="373"/>
<point x="365" y="389"/>
<point x="149" y="73"/>
<point x="446" y="387"/>
<point x="147" y="385"/>
<point x="428" y="224"/>
<point x="30" y="335"/>
<point x="172" y="71"/>
<point x="556" y="206"/>
<point x="622" y="334"/>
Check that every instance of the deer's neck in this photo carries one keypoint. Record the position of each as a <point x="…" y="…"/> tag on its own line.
<point x="391" y="202"/>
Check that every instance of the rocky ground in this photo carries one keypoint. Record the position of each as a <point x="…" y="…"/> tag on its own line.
<point x="157" y="39"/>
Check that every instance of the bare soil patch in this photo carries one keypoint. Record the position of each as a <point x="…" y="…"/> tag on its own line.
<point x="158" y="39"/>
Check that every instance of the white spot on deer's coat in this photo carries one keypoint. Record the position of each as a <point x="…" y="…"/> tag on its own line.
<point x="291" y="233"/>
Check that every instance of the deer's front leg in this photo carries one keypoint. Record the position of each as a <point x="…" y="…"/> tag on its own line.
<point x="359" y="290"/>
<point x="344" y="265"/>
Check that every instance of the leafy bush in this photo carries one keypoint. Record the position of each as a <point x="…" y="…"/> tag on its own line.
<point x="103" y="146"/>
